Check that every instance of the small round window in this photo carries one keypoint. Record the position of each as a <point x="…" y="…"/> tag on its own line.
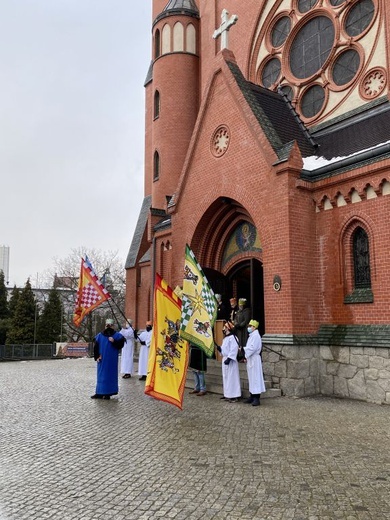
<point x="311" y="47"/>
<point x="305" y="5"/>
<point x="359" y="17"/>
<point x="271" y="72"/>
<point x="345" y="67"/>
<point x="280" y="31"/>
<point x="312" y="101"/>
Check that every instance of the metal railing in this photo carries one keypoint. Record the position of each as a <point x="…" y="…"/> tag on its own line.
<point x="15" y="352"/>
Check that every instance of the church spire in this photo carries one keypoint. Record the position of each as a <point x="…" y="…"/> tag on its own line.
<point x="179" y="7"/>
<point x="188" y="5"/>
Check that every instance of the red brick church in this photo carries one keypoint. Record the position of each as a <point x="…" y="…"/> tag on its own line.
<point x="267" y="150"/>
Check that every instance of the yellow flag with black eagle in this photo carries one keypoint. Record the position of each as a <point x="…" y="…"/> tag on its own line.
<point x="168" y="356"/>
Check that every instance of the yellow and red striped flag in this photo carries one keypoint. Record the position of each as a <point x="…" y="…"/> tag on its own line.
<point x="168" y="356"/>
<point x="91" y="292"/>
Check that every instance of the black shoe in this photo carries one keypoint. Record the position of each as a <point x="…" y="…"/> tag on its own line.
<point x="106" y="396"/>
<point x="142" y="378"/>
<point x="223" y="397"/>
<point x="256" y="401"/>
<point x="97" y="396"/>
<point x="249" y="400"/>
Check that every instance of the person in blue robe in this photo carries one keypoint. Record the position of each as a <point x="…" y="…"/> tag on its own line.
<point x="107" y="345"/>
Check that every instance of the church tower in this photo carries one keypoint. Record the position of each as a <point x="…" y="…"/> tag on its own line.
<point x="172" y="96"/>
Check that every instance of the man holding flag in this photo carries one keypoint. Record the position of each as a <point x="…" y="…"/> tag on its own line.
<point x="92" y="293"/>
<point x="106" y="352"/>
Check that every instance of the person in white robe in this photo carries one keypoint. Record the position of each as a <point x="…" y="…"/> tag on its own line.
<point x="254" y="365"/>
<point x="127" y="353"/>
<point x="230" y="370"/>
<point x="145" y="338"/>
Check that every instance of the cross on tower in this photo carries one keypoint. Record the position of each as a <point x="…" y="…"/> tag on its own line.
<point x="223" y="29"/>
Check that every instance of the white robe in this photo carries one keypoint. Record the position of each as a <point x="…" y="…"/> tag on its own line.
<point x="145" y="336"/>
<point x="254" y="365"/>
<point x="230" y="372"/>
<point x="127" y="353"/>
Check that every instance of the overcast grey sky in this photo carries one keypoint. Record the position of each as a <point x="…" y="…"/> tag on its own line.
<point x="71" y="127"/>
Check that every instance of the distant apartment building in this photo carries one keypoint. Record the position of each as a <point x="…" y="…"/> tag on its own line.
<point x="4" y="262"/>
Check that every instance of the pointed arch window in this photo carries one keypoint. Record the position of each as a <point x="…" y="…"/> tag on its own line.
<point x="156" y="166"/>
<point x="358" y="266"/>
<point x="157" y="44"/>
<point x="361" y="259"/>
<point x="156" y="108"/>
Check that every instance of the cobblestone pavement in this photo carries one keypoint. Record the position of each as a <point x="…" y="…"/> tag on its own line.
<point x="64" y="456"/>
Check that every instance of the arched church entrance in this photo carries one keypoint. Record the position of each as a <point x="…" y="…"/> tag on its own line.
<point x="230" y="253"/>
<point x="246" y="280"/>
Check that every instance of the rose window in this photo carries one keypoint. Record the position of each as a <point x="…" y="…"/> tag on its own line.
<point x="316" y="51"/>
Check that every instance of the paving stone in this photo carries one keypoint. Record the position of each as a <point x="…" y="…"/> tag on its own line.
<point x="64" y="456"/>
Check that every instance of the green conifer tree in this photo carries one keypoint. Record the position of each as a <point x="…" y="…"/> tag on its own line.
<point x="4" y="309"/>
<point x="24" y="320"/>
<point x="51" y="319"/>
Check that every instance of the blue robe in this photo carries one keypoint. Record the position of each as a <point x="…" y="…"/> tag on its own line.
<point x="107" y="366"/>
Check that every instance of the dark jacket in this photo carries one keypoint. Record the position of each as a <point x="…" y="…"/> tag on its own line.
<point x="243" y="317"/>
<point x="198" y="359"/>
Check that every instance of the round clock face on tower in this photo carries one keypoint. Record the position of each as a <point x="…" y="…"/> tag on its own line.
<point x="318" y="52"/>
<point x="220" y="141"/>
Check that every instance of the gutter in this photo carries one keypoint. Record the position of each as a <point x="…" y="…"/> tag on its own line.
<point x="354" y="160"/>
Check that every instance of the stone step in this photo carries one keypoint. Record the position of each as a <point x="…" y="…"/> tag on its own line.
<point x="215" y="388"/>
<point x="214" y="380"/>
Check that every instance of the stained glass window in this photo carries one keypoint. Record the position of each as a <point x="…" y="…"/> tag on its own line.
<point x="345" y="67"/>
<point x="271" y="72"/>
<point x="361" y="259"/>
<point x="311" y="47"/>
<point x="359" y="17"/>
<point x="306" y="5"/>
<point x="312" y="101"/>
<point x="280" y="31"/>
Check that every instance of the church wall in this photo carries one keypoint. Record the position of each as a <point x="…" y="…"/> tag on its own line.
<point x="336" y="275"/>
<point x="144" y="295"/>
<point x="304" y="261"/>
<point x="148" y="156"/>
<point x="242" y="174"/>
<point x="175" y="76"/>
<point x="131" y="304"/>
<point x="138" y="294"/>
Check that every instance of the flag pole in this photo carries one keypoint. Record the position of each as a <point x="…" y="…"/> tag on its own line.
<point x="120" y="312"/>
